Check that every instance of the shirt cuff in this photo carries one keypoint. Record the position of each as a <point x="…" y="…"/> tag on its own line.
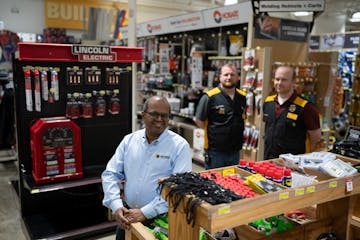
<point x="148" y="211"/>
<point x="116" y="204"/>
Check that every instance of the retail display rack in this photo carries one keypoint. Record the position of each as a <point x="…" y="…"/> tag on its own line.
<point x="334" y="205"/>
<point x="256" y="82"/>
<point x="59" y="183"/>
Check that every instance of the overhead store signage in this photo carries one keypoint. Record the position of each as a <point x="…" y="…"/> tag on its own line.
<point x="228" y="15"/>
<point x="334" y="42"/>
<point x="267" y="27"/>
<point x="216" y="17"/>
<point x="291" y="6"/>
<point x="151" y="28"/>
<point x="69" y="14"/>
<point x="93" y="53"/>
<point x="186" y="22"/>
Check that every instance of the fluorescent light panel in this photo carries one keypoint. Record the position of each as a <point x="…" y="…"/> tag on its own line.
<point x="301" y="14"/>
<point x="355" y="17"/>
<point x="230" y="2"/>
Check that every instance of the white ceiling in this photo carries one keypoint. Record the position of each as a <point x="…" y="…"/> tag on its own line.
<point x="333" y="8"/>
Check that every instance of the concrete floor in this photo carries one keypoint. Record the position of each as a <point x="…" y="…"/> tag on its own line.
<point x="10" y="219"/>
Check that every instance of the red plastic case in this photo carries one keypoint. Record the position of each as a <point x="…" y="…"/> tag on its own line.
<point x="56" y="150"/>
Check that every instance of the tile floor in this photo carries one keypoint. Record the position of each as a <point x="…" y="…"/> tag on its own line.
<point x="10" y="220"/>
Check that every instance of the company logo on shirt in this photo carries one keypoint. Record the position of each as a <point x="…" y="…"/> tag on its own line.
<point x="292" y="108"/>
<point x="220" y="109"/>
<point x="162" y="156"/>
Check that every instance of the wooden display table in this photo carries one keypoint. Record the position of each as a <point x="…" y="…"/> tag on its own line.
<point x="336" y="210"/>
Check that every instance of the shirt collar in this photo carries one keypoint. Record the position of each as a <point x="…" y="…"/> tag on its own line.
<point x="291" y="99"/>
<point x="159" y="139"/>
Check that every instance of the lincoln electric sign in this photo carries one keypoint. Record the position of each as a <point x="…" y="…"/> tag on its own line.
<point x="93" y="53"/>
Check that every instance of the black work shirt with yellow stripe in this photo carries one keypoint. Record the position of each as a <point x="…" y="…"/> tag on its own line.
<point x="286" y="125"/>
<point x="224" y="119"/>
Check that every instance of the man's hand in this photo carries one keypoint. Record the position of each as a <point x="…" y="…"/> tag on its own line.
<point x="135" y="215"/>
<point x="120" y="217"/>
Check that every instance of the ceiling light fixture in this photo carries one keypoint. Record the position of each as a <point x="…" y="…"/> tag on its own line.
<point x="355" y="17"/>
<point x="230" y="2"/>
<point x="301" y="14"/>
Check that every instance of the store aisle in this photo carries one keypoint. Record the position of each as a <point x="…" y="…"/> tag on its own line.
<point x="10" y="220"/>
<point x="10" y="224"/>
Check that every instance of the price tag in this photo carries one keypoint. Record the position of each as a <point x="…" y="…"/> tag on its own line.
<point x="333" y="184"/>
<point x="299" y="192"/>
<point x="349" y="185"/>
<point x="36" y="190"/>
<point x="284" y="195"/>
<point x="310" y="189"/>
<point x="224" y="210"/>
<point x="228" y="171"/>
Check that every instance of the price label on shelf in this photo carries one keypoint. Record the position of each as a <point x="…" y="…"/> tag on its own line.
<point x="349" y="185"/>
<point x="310" y="189"/>
<point x="224" y="210"/>
<point x="333" y="184"/>
<point x="228" y="171"/>
<point x="299" y="192"/>
<point x="284" y="195"/>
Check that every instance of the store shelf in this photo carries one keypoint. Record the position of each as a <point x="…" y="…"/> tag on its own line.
<point x="50" y="228"/>
<point x="355" y="221"/>
<point x="7" y="155"/>
<point x="182" y="125"/>
<point x="198" y="160"/>
<point x="186" y="116"/>
<point x="33" y="189"/>
<point x="225" y="57"/>
<point x="91" y="177"/>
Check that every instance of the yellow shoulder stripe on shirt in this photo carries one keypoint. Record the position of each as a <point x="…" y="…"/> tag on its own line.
<point x="213" y="92"/>
<point x="270" y="98"/>
<point x="300" y="102"/>
<point x="241" y="92"/>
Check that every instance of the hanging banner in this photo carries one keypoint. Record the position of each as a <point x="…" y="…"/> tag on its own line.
<point x="291" y="6"/>
<point x="267" y="27"/>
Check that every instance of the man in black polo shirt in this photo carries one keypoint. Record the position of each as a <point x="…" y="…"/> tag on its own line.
<point x="221" y="113"/>
<point x="289" y="119"/>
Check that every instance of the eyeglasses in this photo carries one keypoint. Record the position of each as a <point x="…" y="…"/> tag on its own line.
<point x="157" y="114"/>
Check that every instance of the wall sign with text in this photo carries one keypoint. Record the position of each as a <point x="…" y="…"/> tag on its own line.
<point x="334" y="41"/>
<point x="267" y="27"/>
<point x="69" y="14"/>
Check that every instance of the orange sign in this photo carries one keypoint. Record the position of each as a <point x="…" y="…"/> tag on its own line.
<point x="69" y="14"/>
